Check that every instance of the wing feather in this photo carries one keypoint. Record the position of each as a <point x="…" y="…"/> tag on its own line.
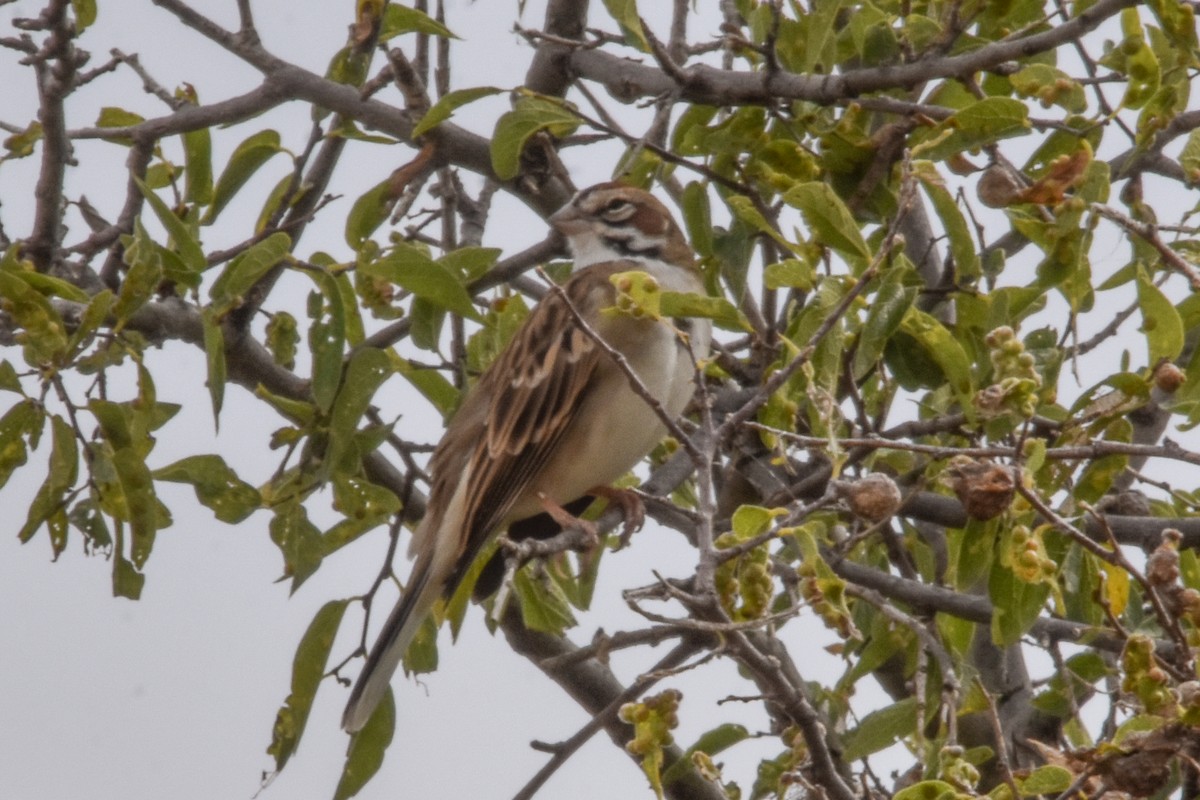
<point x="536" y="387"/>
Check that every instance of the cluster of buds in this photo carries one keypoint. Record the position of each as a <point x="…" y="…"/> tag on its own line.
<point x="1016" y="379"/>
<point x="1026" y="556"/>
<point x="955" y="770"/>
<point x="744" y="583"/>
<point x="1162" y="572"/>
<point x="652" y="719"/>
<point x="1144" y="679"/>
<point x="826" y="595"/>
<point x="638" y="294"/>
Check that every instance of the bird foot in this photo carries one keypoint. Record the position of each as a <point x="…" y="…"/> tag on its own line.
<point x="590" y="537"/>
<point x="633" y="510"/>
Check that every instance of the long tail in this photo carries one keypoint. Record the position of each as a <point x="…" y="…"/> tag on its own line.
<point x="402" y="625"/>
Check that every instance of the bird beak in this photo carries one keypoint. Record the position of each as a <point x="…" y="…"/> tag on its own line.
<point x="568" y="221"/>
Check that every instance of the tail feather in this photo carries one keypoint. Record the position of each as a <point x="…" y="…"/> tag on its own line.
<point x="398" y="632"/>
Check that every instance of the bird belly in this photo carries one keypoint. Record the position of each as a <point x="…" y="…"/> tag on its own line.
<point x="616" y="427"/>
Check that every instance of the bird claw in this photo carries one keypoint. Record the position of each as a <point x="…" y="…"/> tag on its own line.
<point x="633" y="510"/>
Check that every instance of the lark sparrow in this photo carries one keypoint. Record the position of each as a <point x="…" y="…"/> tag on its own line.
<point x="554" y="416"/>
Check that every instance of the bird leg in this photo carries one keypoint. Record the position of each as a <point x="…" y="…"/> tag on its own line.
<point x="568" y="522"/>
<point x="633" y="511"/>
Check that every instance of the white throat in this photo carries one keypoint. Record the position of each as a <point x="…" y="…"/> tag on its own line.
<point x="590" y="249"/>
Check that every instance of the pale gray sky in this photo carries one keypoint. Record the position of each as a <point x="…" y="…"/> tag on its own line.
<point x="174" y="695"/>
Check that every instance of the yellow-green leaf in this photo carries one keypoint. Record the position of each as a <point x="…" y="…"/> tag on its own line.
<point x="251" y="154"/>
<point x="217" y="486"/>
<point x="513" y="130"/>
<point x="364" y="755"/>
<point x="308" y="668"/>
<point x="1160" y="321"/>
<point x="244" y="271"/>
<point x="398" y="19"/>
<point x="625" y="13"/>
<point x="214" y="351"/>
<point x="981" y="123"/>
<point x="450" y="102"/>
<point x="185" y="242"/>
<point x="411" y="269"/>
<point x="830" y="221"/>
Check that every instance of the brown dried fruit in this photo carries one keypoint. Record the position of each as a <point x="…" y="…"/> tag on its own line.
<point x="998" y="188"/>
<point x="874" y="497"/>
<point x="1168" y="377"/>
<point x="985" y="489"/>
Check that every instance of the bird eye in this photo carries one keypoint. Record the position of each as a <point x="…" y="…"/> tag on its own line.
<point x="618" y="209"/>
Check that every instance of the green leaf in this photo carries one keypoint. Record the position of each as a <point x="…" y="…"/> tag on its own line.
<point x="544" y="607"/>
<point x="365" y="752"/>
<point x="126" y="488"/>
<point x="23" y="420"/>
<point x="830" y="221"/>
<point x="85" y="14"/>
<point x="214" y="353"/>
<point x="689" y="304"/>
<point x="363" y="506"/>
<point x="52" y="286"/>
<point x="348" y="66"/>
<point x="1160" y="321"/>
<point x="943" y="348"/>
<point x="432" y="384"/>
<point x="87" y="519"/>
<point x="1189" y="157"/>
<point x="470" y="263"/>
<point x="626" y="15"/>
<point x="1050" y="86"/>
<point x="326" y="339"/>
<point x="127" y="581"/>
<point x="244" y="271"/>
<point x="143" y="276"/>
<point x="42" y="333"/>
<point x="282" y="338"/>
<point x="711" y="742"/>
<point x="368" y="369"/>
<point x="927" y="790"/>
<point x="981" y="123"/>
<point x="697" y="216"/>
<point x="308" y="668"/>
<point x="884" y="316"/>
<point x="274" y="198"/>
<point x="791" y="273"/>
<point x="369" y="211"/>
<point x="410" y="269"/>
<point x="744" y="209"/>
<point x="197" y="159"/>
<point x="514" y="129"/>
<point x="399" y="19"/>
<point x="299" y="540"/>
<point x="49" y="504"/>
<point x="186" y="244"/>
<point x="22" y="143"/>
<point x="445" y="107"/>
<point x="962" y="245"/>
<point x="1049" y="779"/>
<point x="1017" y="604"/>
<point x="881" y="728"/>
<point x="113" y="117"/>
<point x="245" y="161"/>
<point x="217" y="486"/>
<point x="9" y="381"/>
